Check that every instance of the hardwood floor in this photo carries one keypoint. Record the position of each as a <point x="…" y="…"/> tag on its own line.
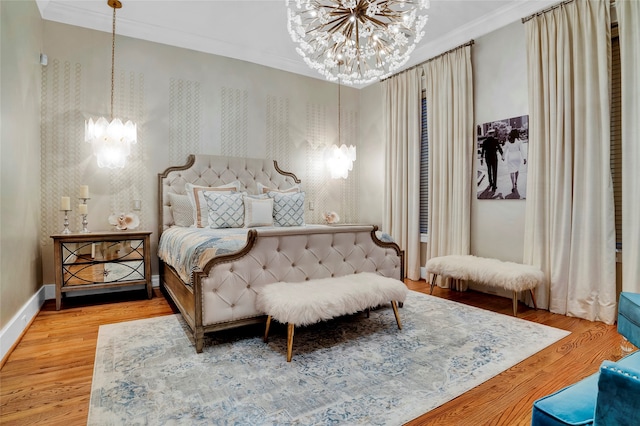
<point x="47" y="378"/>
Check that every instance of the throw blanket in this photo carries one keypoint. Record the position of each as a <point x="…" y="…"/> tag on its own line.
<point x="186" y="249"/>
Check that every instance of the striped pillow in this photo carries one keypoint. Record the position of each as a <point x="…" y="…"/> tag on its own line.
<point x="200" y="212"/>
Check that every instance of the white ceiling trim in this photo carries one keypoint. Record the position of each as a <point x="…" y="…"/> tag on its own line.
<point x="67" y="13"/>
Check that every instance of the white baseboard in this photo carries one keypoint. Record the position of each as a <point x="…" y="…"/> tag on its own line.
<point x="423" y="273"/>
<point x="12" y="331"/>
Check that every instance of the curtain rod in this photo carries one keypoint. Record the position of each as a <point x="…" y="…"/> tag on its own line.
<point x="530" y="17"/>
<point x="469" y="43"/>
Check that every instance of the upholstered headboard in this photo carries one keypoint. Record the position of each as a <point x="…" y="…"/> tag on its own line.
<point x="214" y="170"/>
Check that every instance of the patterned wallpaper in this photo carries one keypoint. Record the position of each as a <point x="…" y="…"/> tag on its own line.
<point x="234" y="116"/>
<point x="184" y="118"/>
<point x="67" y="163"/>
<point x="60" y="160"/>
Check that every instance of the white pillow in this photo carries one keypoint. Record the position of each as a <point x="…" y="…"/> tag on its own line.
<point x="258" y="211"/>
<point x="263" y="189"/>
<point x="288" y="208"/>
<point x="225" y="210"/>
<point x="181" y="209"/>
<point x="194" y="192"/>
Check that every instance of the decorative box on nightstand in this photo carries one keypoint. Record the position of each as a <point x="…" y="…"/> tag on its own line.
<point x="99" y="260"/>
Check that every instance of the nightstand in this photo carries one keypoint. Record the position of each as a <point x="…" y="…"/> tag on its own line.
<point x="103" y="259"/>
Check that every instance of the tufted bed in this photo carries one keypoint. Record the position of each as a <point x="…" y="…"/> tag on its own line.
<point x="219" y="292"/>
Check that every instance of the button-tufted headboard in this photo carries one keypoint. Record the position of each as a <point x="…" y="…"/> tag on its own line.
<point x="214" y="170"/>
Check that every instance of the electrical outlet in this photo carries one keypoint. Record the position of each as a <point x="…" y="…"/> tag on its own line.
<point x="310" y="205"/>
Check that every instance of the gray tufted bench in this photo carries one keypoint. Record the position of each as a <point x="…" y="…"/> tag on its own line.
<point x="316" y="300"/>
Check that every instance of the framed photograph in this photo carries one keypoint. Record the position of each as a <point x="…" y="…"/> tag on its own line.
<point x="501" y="159"/>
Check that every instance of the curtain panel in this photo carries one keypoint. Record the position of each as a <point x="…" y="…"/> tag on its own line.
<point x="449" y="91"/>
<point x="629" y="35"/>
<point x="401" y="215"/>
<point x="569" y="224"/>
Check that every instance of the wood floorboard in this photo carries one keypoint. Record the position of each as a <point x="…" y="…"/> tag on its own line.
<point x="47" y="378"/>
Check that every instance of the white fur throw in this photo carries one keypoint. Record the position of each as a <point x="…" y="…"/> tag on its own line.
<point x="494" y="272"/>
<point x="317" y="300"/>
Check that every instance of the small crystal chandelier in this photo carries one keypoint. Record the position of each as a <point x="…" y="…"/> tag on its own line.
<point x="111" y="141"/>
<point x="340" y="159"/>
<point x="372" y="37"/>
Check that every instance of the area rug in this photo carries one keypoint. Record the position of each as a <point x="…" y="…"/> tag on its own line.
<point x="351" y="370"/>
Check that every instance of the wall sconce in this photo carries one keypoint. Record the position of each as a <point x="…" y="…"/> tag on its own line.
<point x="340" y="160"/>
<point x="111" y="141"/>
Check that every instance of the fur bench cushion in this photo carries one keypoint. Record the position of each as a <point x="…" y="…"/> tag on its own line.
<point x="318" y="300"/>
<point x="508" y="275"/>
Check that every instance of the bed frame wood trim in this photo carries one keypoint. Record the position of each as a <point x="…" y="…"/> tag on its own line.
<point x="282" y="172"/>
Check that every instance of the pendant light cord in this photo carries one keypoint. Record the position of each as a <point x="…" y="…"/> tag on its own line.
<point x="339" y="118"/>
<point x="113" y="57"/>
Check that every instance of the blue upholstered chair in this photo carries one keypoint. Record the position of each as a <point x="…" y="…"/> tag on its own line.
<point x="608" y="397"/>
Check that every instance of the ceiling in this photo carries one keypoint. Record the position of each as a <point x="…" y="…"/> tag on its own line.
<point x="256" y="31"/>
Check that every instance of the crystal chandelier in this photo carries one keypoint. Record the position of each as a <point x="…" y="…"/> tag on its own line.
<point x="111" y="140"/>
<point x="356" y="41"/>
<point x="340" y="160"/>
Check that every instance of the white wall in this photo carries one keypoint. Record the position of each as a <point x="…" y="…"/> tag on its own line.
<point x="500" y="85"/>
<point x="371" y="154"/>
<point x="21" y="38"/>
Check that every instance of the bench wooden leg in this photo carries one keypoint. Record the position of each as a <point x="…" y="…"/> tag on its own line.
<point x="515" y="301"/>
<point x="533" y="298"/>
<point x="433" y="283"/>
<point x="266" y="329"/>
<point x="395" y="312"/>
<point x="289" y="341"/>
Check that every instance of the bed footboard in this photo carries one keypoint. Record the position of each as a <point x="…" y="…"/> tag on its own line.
<point x="225" y="290"/>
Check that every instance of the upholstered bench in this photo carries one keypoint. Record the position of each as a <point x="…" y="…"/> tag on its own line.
<point x="609" y="397"/>
<point x="312" y="301"/>
<point x="492" y="272"/>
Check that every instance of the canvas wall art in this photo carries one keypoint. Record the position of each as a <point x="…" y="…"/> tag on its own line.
<point x="501" y="159"/>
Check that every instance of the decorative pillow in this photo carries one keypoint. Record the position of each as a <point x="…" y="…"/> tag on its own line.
<point x="263" y="189"/>
<point x="226" y="210"/>
<point x="258" y="211"/>
<point x="288" y="208"/>
<point x="181" y="210"/>
<point x="194" y="192"/>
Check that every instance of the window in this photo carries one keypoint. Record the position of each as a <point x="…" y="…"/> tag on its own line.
<point x="424" y="173"/>
<point x="616" y="133"/>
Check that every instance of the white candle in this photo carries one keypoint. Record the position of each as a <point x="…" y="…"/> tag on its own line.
<point x="65" y="203"/>
<point x="84" y="191"/>
<point x="82" y="209"/>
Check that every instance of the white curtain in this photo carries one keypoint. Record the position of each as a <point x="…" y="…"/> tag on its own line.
<point x="629" y="33"/>
<point x="569" y="224"/>
<point x="449" y="89"/>
<point x="401" y="216"/>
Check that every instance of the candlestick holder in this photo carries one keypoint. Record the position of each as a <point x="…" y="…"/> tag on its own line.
<point x="85" y="230"/>
<point x="66" y="222"/>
